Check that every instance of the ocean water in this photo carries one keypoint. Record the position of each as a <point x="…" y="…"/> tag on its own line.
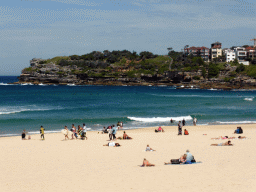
<point x="30" y="106"/>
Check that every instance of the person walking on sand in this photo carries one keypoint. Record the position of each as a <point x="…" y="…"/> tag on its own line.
<point x="194" y="121"/>
<point x="42" y="132"/>
<point x="179" y="128"/>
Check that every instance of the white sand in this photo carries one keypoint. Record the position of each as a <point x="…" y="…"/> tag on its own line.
<point x="87" y="165"/>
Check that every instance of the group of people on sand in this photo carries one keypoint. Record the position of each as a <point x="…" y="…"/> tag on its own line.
<point x="80" y="131"/>
<point x="239" y="130"/>
<point x="187" y="158"/>
<point x="23" y="135"/>
<point x="180" y="125"/>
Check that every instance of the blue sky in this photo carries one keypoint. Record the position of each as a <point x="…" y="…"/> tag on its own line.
<point x="49" y="28"/>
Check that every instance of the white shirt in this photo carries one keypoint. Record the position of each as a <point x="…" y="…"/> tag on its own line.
<point x="84" y="128"/>
<point x="189" y="156"/>
<point x="111" y="144"/>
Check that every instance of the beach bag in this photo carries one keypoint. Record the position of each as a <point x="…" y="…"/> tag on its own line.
<point x="175" y="161"/>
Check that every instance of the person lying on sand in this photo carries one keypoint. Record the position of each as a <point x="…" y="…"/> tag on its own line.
<point x="183" y="158"/>
<point x="112" y="144"/>
<point x="241" y="137"/>
<point x="228" y="143"/>
<point x="146" y="163"/>
<point x="149" y="149"/>
<point x="225" y="137"/>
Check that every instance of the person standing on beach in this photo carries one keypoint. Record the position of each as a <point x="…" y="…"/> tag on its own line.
<point x="42" y="132"/>
<point x="183" y="122"/>
<point x="121" y="125"/>
<point x="72" y="130"/>
<point x="66" y="132"/>
<point x="84" y="131"/>
<point x="23" y="135"/>
<point x="114" y="132"/>
<point x="110" y="133"/>
<point x="179" y="128"/>
<point x="194" y="121"/>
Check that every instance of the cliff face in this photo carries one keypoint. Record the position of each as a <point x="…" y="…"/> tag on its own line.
<point x="52" y="73"/>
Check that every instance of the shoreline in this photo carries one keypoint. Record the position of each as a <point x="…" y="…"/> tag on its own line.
<point x="192" y="85"/>
<point x="147" y="128"/>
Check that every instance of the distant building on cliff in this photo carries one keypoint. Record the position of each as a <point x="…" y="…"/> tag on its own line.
<point x="230" y="55"/>
<point x="251" y="52"/>
<point x="215" y="50"/>
<point x="198" y="52"/>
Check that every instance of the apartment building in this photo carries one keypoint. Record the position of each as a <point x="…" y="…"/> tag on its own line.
<point x="241" y="54"/>
<point x="198" y="52"/>
<point x="230" y="55"/>
<point x="251" y="52"/>
<point x="215" y="50"/>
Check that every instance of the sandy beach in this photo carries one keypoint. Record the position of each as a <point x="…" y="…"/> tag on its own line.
<point x="86" y="165"/>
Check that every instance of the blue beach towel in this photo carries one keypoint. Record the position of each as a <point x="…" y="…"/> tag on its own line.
<point x="185" y="164"/>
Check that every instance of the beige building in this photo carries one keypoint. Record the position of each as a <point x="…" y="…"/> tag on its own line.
<point x="215" y="50"/>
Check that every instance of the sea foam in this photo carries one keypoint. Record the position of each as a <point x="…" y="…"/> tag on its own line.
<point x="19" y="109"/>
<point x="159" y="119"/>
<point x="235" y="122"/>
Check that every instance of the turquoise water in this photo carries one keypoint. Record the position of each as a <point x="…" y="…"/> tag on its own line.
<point x="30" y="106"/>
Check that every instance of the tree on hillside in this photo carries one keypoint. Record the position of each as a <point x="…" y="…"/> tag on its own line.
<point x="213" y="70"/>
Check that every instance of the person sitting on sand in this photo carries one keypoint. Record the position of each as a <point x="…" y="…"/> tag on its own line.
<point x="228" y="143"/>
<point x="146" y="163"/>
<point x="112" y="144"/>
<point x="125" y="136"/>
<point x="160" y="129"/>
<point x="189" y="157"/>
<point x="23" y="135"/>
<point x="186" y="132"/>
<point x="149" y="149"/>
<point x="239" y="130"/>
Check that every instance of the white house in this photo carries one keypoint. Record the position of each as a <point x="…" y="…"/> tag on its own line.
<point x="230" y="55"/>
<point x="241" y="55"/>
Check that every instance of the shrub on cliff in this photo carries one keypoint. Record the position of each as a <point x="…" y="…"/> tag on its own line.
<point x="213" y="71"/>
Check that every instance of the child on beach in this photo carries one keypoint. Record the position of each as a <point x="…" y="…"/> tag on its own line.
<point x="149" y="149"/>
<point x="42" y="132"/>
<point x="66" y="132"/>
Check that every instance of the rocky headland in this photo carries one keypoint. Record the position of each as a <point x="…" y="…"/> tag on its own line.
<point x="149" y="70"/>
